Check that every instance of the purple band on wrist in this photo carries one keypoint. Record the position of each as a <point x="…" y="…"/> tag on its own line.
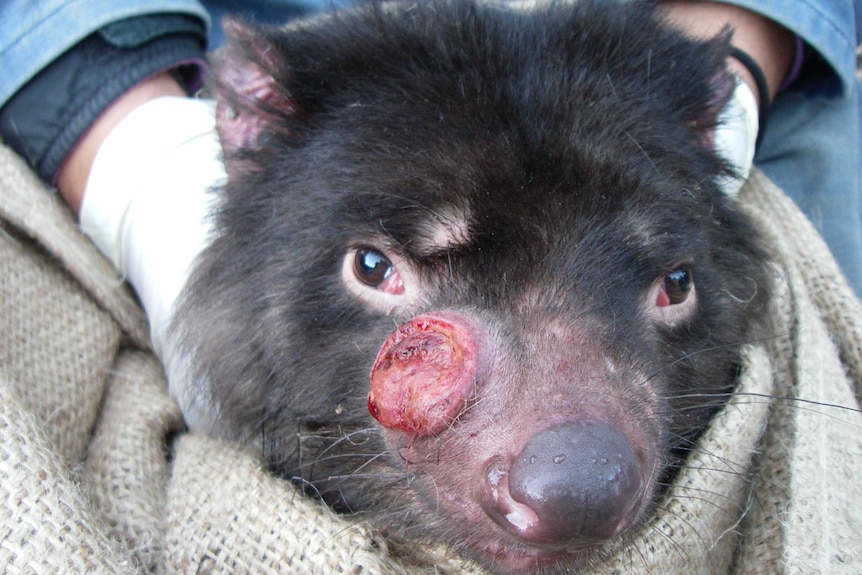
<point x="795" y="67"/>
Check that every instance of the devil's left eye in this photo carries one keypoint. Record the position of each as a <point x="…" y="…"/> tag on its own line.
<point x="675" y="288"/>
<point x="371" y="267"/>
<point x="672" y="299"/>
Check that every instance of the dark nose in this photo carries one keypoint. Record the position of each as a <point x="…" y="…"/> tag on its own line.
<point x="576" y="484"/>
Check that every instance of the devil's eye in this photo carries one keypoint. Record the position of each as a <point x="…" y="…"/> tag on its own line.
<point x="378" y="279"/>
<point x="675" y="288"/>
<point x="371" y="267"/>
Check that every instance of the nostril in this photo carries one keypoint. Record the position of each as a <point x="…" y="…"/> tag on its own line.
<point x="579" y="483"/>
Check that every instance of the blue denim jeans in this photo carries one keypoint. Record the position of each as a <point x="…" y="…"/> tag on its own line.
<point x="33" y="33"/>
<point x="811" y="150"/>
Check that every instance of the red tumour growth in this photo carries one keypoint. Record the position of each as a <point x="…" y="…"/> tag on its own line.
<point x="423" y="375"/>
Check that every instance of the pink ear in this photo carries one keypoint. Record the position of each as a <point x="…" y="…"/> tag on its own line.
<point x="250" y="102"/>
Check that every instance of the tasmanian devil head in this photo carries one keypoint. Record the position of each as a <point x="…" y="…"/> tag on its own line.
<point x="473" y="275"/>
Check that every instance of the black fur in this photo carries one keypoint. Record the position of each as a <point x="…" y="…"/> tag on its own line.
<point x="573" y="136"/>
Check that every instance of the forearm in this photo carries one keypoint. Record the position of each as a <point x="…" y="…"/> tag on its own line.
<point x="73" y="173"/>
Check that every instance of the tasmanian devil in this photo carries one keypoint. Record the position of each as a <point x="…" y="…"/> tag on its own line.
<point x="473" y="274"/>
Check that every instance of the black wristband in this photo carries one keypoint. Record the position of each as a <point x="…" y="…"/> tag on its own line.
<point x="762" y="88"/>
<point x="48" y="115"/>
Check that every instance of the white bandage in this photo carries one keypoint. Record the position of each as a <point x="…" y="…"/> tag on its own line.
<point x="736" y="136"/>
<point x="148" y="199"/>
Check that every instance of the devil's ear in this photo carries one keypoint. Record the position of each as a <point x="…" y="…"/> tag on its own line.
<point x="253" y="101"/>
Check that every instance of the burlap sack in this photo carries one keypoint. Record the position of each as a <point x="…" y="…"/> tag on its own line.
<point x="99" y="476"/>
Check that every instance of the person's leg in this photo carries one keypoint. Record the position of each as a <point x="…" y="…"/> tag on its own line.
<point x="811" y="150"/>
<point x="35" y="33"/>
<point x="46" y="117"/>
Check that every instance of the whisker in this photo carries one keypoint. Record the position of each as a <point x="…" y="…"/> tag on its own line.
<point x="768" y="396"/>
<point x="393" y="476"/>
<point x="802" y="403"/>
<point x="708" y="349"/>
<point x="369" y="458"/>
<point x="679" y="548"/>
<point x="802" y="400"/>
<point x="707" y="500"/>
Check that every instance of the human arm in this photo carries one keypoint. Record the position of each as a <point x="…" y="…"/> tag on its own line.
<point x="65" y="63"/>
<point x="59" y="118"/>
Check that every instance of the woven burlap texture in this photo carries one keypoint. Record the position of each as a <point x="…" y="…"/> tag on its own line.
<point x="98" y="474"/>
